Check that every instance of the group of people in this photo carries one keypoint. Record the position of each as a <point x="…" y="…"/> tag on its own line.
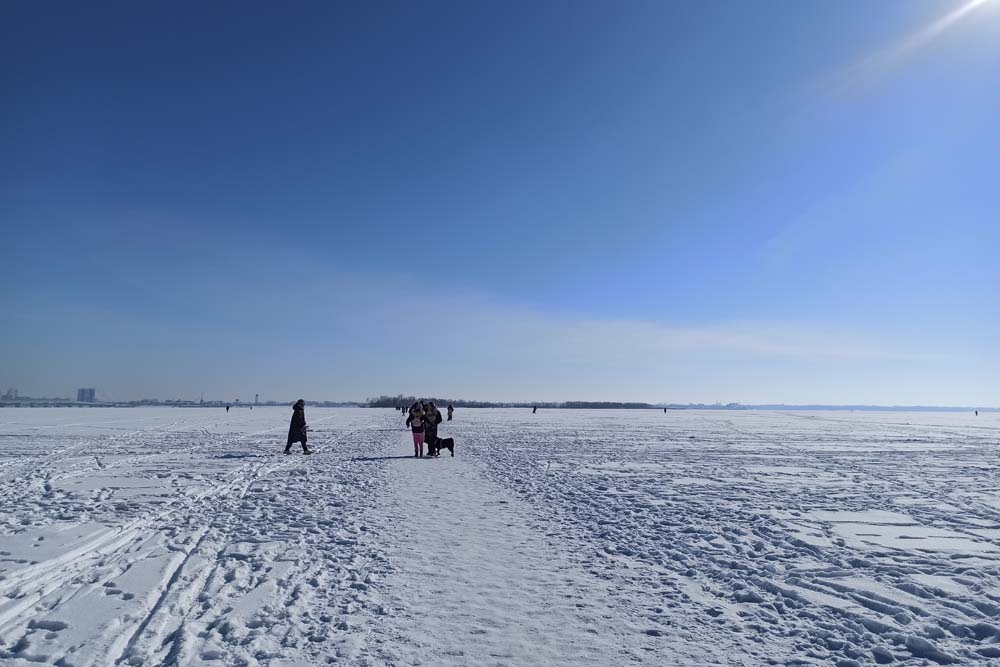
<point x="423" y="420"/>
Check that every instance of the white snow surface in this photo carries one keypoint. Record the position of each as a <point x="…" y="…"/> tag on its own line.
<point x="159" y="536"/>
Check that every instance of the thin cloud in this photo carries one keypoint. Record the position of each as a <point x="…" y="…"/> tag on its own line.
<point x="343" y="336"/>
<point x="554" y="336"/>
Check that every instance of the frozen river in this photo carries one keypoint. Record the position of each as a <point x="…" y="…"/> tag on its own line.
<point x="161" y="536"/>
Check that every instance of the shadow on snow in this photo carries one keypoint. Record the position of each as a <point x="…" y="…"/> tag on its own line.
<point x="382" y="458"/>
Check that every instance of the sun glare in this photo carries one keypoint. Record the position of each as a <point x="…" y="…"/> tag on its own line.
<point x="869" y="69"/>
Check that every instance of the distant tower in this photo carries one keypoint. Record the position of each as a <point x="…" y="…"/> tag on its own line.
<point x="256" y="399"/>
<point x="202" y="399"/>
<point x="88" y="395"/>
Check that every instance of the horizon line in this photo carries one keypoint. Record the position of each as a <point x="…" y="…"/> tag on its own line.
<point x="564" y="404"/>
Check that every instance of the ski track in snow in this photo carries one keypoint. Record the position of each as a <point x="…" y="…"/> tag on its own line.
<point x="158" y="536"/>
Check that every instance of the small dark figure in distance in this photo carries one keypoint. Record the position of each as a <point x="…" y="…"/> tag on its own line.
<point x="451" y="411"/>
<point x="297" y="429"/>
<point x="664" y="411"/>
<point x="227" y="408"/>
<point x="534" y="409"/>
<point x="977" y="413"/>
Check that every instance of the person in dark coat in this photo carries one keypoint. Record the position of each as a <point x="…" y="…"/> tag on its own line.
<point x="432" y="417"/>
<point x="451" y="410"/>
<point x="297" y="429"/>
<point x="415" y="420"/>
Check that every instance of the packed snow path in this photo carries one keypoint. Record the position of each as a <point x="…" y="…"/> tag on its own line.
<point x="481" y="580"/>
<point x="184" y="537"/>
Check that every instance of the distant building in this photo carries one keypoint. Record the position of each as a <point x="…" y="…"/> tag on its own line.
<point x="86" y="395"/>
<point x="11" y="395"/>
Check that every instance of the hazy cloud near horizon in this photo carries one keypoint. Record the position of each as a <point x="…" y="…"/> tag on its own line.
<point x="334" y="335"/>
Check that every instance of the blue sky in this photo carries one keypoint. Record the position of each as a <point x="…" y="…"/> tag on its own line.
<point x="764" y="201"/>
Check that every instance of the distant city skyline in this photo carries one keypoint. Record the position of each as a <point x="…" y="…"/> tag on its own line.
<point x="778" y="202"/>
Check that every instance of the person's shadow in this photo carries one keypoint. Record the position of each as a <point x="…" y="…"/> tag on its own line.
<point x="381" y="458"/>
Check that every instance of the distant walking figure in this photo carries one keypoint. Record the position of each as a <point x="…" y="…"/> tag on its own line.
<point x="227" y="408"/>
<point x="664" y="411"/>
<point x="451" y="410"/>
<point x="297" y="429"/>
<point x="416" y="423"/>
<point x="977" y="413"/>
<point x="534" y="409"/>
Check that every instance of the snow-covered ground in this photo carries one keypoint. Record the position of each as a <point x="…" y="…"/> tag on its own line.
<point x="184" y="537"/>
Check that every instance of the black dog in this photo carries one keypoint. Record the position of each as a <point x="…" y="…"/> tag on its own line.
<point x="442" y="443"/>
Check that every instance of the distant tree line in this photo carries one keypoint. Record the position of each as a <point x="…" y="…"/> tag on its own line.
<point x="406" y="401"/>
<point x="400" y="400"/>
<point x="591" y="405"/>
